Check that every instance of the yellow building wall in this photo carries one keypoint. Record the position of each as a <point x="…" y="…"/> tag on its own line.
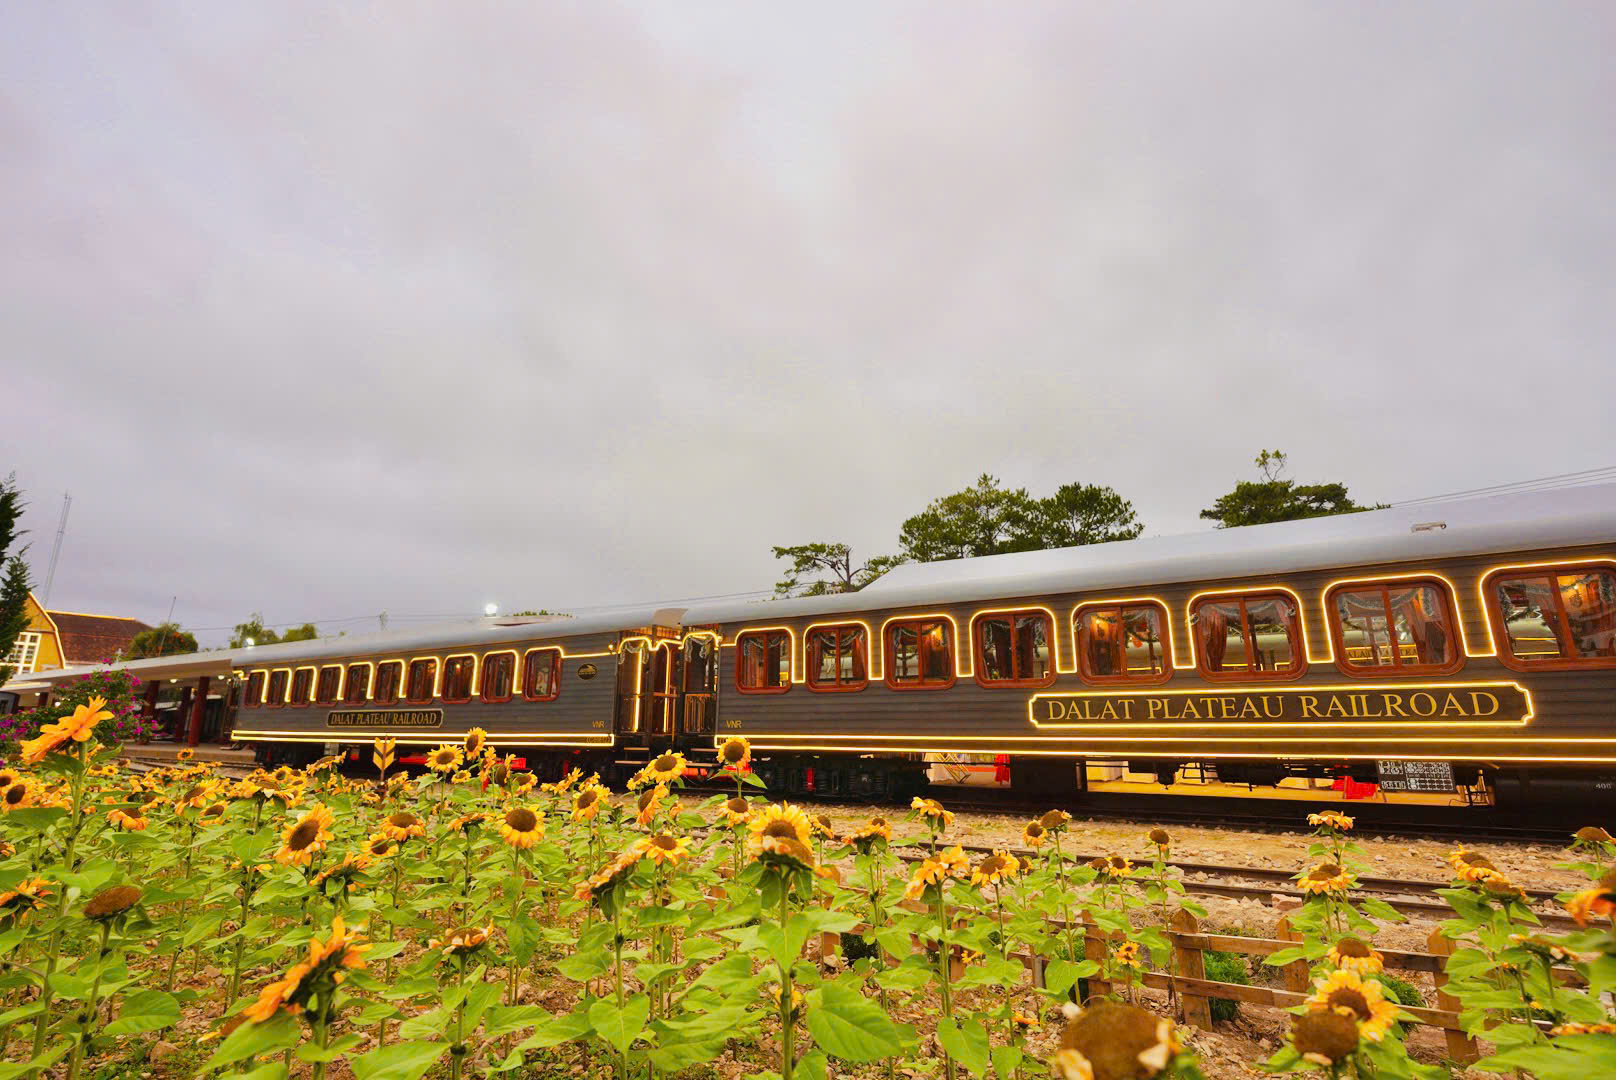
<point x="50" y="645"/>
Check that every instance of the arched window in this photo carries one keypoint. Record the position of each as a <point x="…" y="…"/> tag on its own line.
<point x="421" y="684"/>
<point x="1553" y="618"/>
<point x="1394" y="628"/>
<point x="388" y="675"/>
<point x="1014" y="648"/>
<point x="1122" y="643"/>
<point x="920" y="654"/>
<point x="499" y="672"/>
<point x="1248" y="636"/>
<point x="457" y="676"/>
<point x="838" y="657"/>
<point x="763" y="662"/>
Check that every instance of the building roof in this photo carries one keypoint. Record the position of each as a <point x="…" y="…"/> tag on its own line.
<point x="86" y="638"/>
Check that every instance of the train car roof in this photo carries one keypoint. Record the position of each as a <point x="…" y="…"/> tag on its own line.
<point x="1555" y="518"/>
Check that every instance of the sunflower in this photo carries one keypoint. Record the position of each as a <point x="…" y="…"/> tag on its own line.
<point x="461" y="777"/>
<point x="522" y="827"/>
<point x="1023" y="1022"/>
<point x="1598" y="901"/>
<point x="468" y="823"/>
<point x="1348" y="993"/>
<point x="613" y="874"/>
<point x="1333" y="820"/>
<point x="1583" y="1029"/>
<point x="474" y="742"/>
<point x="565" y="784"/>
<point x="1161" y="838"/>
<point x="996" y="869"/>
<point x="310" y="834"/>
<point x="735" y="754"/>
<point x="1055" y="820"/>
<point x="1115" y="867"/>
<point x="344" y="872"/>
<point x="737" y="812"/>
<point x="874" y="832"/>
<point x="185" y="755"/>
<point x="110" y="903"/>
<point x="1593" y="834"/>
<point x="932" y="810"/>
<point x="463" y="941"/>
<point x="782" y="821"/>
<point x="1033" y="834"/>
<point x="401" y="826"/>
<point x="445" y="759"/>
<point x="327" y="965"/>
<point x="16" y="903"/>
<point x="1112" y="1041"/>
<point x="666" y="850"/>
<point x="649" y="802"/>
<point x="1353" y="954"/>
<point x="665" y="769"/>
<point x="9" y="777"/>
<point x="78" y="727"/>
<point x="20" y="794"/>
<point x="793" y="1011"/>
<point x="1327" y="877"/>
<point x="381" y="847"/>
<point x="587" y="803"/>
<point x="1325" y="1036"/>
<point x="936" y="871"/>
<point x="1127" y="955"/>
<point x="523" y="783"/>
<point x="213" y="812"/>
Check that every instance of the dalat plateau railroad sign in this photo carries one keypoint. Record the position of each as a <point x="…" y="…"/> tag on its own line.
<point x="1501" y="704"/>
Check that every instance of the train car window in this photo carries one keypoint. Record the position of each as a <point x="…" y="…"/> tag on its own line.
<point x="699" y="667"/>
<point x="1118" y="643"/>
<point x="499" y="672"/>
<point x="277" y="688"/>
<point x="357" y="686"/>
<point x="457" y="675"/>
<point x="920" y="654"/>
<point x="327" y="685"/>
<point x="1394" y="628"/>
<point x="302" y="683"/>
<point x="1013" y="649"/>
<point x="419" y="685"/>
<point x="838" y="658"/>
<point x="1554" y="619"/>
<point x="1248" y="636"/>
<point x="388" y="675"/>
<point x="763" y="662"/>
<point x="541" y="675"/>
<point x="254" y="695"/>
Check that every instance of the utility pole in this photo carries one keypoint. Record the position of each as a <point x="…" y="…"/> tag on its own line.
<point x="382" y="619"/>
<point x="56" y="548"/>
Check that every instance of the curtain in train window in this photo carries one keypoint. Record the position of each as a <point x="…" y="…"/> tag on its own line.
<point x="700" y="670"/>
<point x="1124" y="642"/>
<point x="457" y="674"/>
<point x="764" y="661"/>
<point x="254" y="695"/>
<point x="1013" y="648"/>
<point x="499" y="669"/>
<point x="838" y="658"/>
<point x="1256" y="636"/>
<point x="387" y="680"/>
<point x="541" y="675"/>
<point x="327" y="685"/>
<point x="302" y="683"/>
<point x="277" y="687"/>
<point x="920" y="653"/>
<point x="419" y="686"/>
<point x="358" y="684"/>
<point x="1394" y="626"/>
<point x="1566" y="617"/>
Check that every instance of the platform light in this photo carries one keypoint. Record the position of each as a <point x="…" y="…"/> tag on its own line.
<point x="490" y="610"/>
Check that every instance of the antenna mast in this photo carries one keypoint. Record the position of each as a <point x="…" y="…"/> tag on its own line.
<point x="56" y="548"/>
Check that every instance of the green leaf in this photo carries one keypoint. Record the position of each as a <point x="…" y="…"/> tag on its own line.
<point x="503" y="1019"/>
<point x="557" y="1030"/>
<point x="145" y="1010"/>
<point x="813" y="1066"/>
<point x="277" y="1033"/>
<point x="311" y="1053"/>
<point x="44" y="1060"/>
<point x="619" y="1027"/>
<point x="398" y="1061"/>
<point x="966" y="1042"/>
<point x="1006" y="1059"/>
<point x="848" y="1025"/>
<point x="1061" y="975"/>
<point x="585" y="965"/>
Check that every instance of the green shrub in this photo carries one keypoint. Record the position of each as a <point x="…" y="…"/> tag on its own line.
<point x="1401" y="990"/>
<point x="1229" y="968"/>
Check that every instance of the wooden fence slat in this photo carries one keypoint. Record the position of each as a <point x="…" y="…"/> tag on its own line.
<point x="1190" y="962"/>
<point x="1298" y="979"/>
<point x="1461" y="1047"/>
<point x="1094" y="948"/>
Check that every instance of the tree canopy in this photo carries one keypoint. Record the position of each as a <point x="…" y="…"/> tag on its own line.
<point x="254" y="632"/>
<point x="14" y="584"/>
<point x="990" y="519"/>
<point x="306" y="632"/>
<point x="164" y="639"/>
<point x="1274" y="498"/>
<point x="821" y="569"/>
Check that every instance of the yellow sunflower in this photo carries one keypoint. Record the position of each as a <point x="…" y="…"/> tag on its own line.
<point x="666" y="850"/>
<point x="468" y="823"/>
<point x="649" y="802"/>
<point x="522" y="827"/>
<point x="1325" y="1037"/>
<point x="79" y="727"/>
<point x="1327" y="877"/>
<point x="996" y="869"/>
<point x="1110" y="1040"/>
<point x="327" y="962"/>
<point x="1364" y="1000"/>
<point x="1596" y="902"/>
<point x="475" y="739"/>
<point x="16" y="903"/>
<point x="461" y="777"/>
<point x="185" y="755"/>
<point x="22" y="793"/>
<point x="463" y="941"/>
<point x="737" y="812"/>
<point x="344" y="872"/>
<point x="1333" y="820"/>
<point x="401" y="826"/>
<point x="310" y="834"/>
<point x="936" y="871"/>
<point x="1353" y="954"/>
<point x="932" y="810"/>
<point x="1055" y="820"/>
<point x="1115" y="867"/>
<point x="523" y="783"/>
<point x="9" y="777"/>
<point x="445" y="759"/>
<point x="613" y="874"/>
<point x="781" y="821"/>
<point x="587" y="802"/>
<point x="1033" y="834"/>
<point x="872" y="833"/>
<point x="132" y="819"/>
<point x="1161" y="838"/>
<point x="736" y="754"/>
<point x="665" y="768"/>
<point x="1127" y="955"/>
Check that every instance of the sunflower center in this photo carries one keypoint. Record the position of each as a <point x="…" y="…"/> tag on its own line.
<point x="665" y="842"/>
<point x="587" y="799"/>
<point x="402" y="820"/>
<point x="733" y="752"/>
<point x="781" y="829"/>
<point x="521" y="819"/>
<point x="1348" y="998"/>
<point x="664" y="763"/>
<point x="1351" y="946"/>
<point x="303" y="835"/>
<point x="15" y="794"/>
<point x="647" y="798"/>
<point x="737" y="805"/>
<point x="1325" y="872"/>
<point x="380" y="847"/>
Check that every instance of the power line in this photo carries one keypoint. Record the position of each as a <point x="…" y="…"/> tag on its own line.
<point x="1542" y="483"/>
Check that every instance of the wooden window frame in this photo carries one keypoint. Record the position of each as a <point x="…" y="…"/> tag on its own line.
<point x="791" y="656"/>
<point x="437" y="673"/>
<point x="555" y="670"/>
<point x="1551" y="571"/>
<point x="1299" y="660"/>
<point x="811" y="658"/>
<point x="1397" y="668"/>
<point x="482" y="677"/>
<point x="347" y="682"/>
<point x="1124" y="679"/>
<point x="251" y="698"/>
<point x="889" y="650"/>
<point x="319" y="677"/>
<point x="291" y="685"/>
<point x="471" y="681"/>
<point x="285" y="688"/>
<point x="978" y="649"/>
<point x="398" y="684"/>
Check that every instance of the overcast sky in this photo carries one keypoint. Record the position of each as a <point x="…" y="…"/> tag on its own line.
<point x="322" y="310"/>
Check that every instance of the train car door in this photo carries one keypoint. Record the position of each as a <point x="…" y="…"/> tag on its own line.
<point x="698" y="708"/>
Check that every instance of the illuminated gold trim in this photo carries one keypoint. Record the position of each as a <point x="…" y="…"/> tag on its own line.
<point x="1454" y="593"/>
<point x="1174" y="652"/>
<point x="791" y="638"/>
<point x="476" y="666"/>
<point x="1352" y="688"/>
<point x="874" y="657"/>
<point x="1301" y="620"/>
<point x="348" y="735"/>
<point x="1054" y="630"/>
<point x="516" y="672"/>
<point x="1481" y="584"/>
<point x="437" y="678"/>
<point x="370" y="679"/>
<point x="314" y="673"/>
<point x="960" y="654"/>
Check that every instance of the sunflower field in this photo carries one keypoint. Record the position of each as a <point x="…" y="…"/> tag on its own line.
<point x="470" y="922"/>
